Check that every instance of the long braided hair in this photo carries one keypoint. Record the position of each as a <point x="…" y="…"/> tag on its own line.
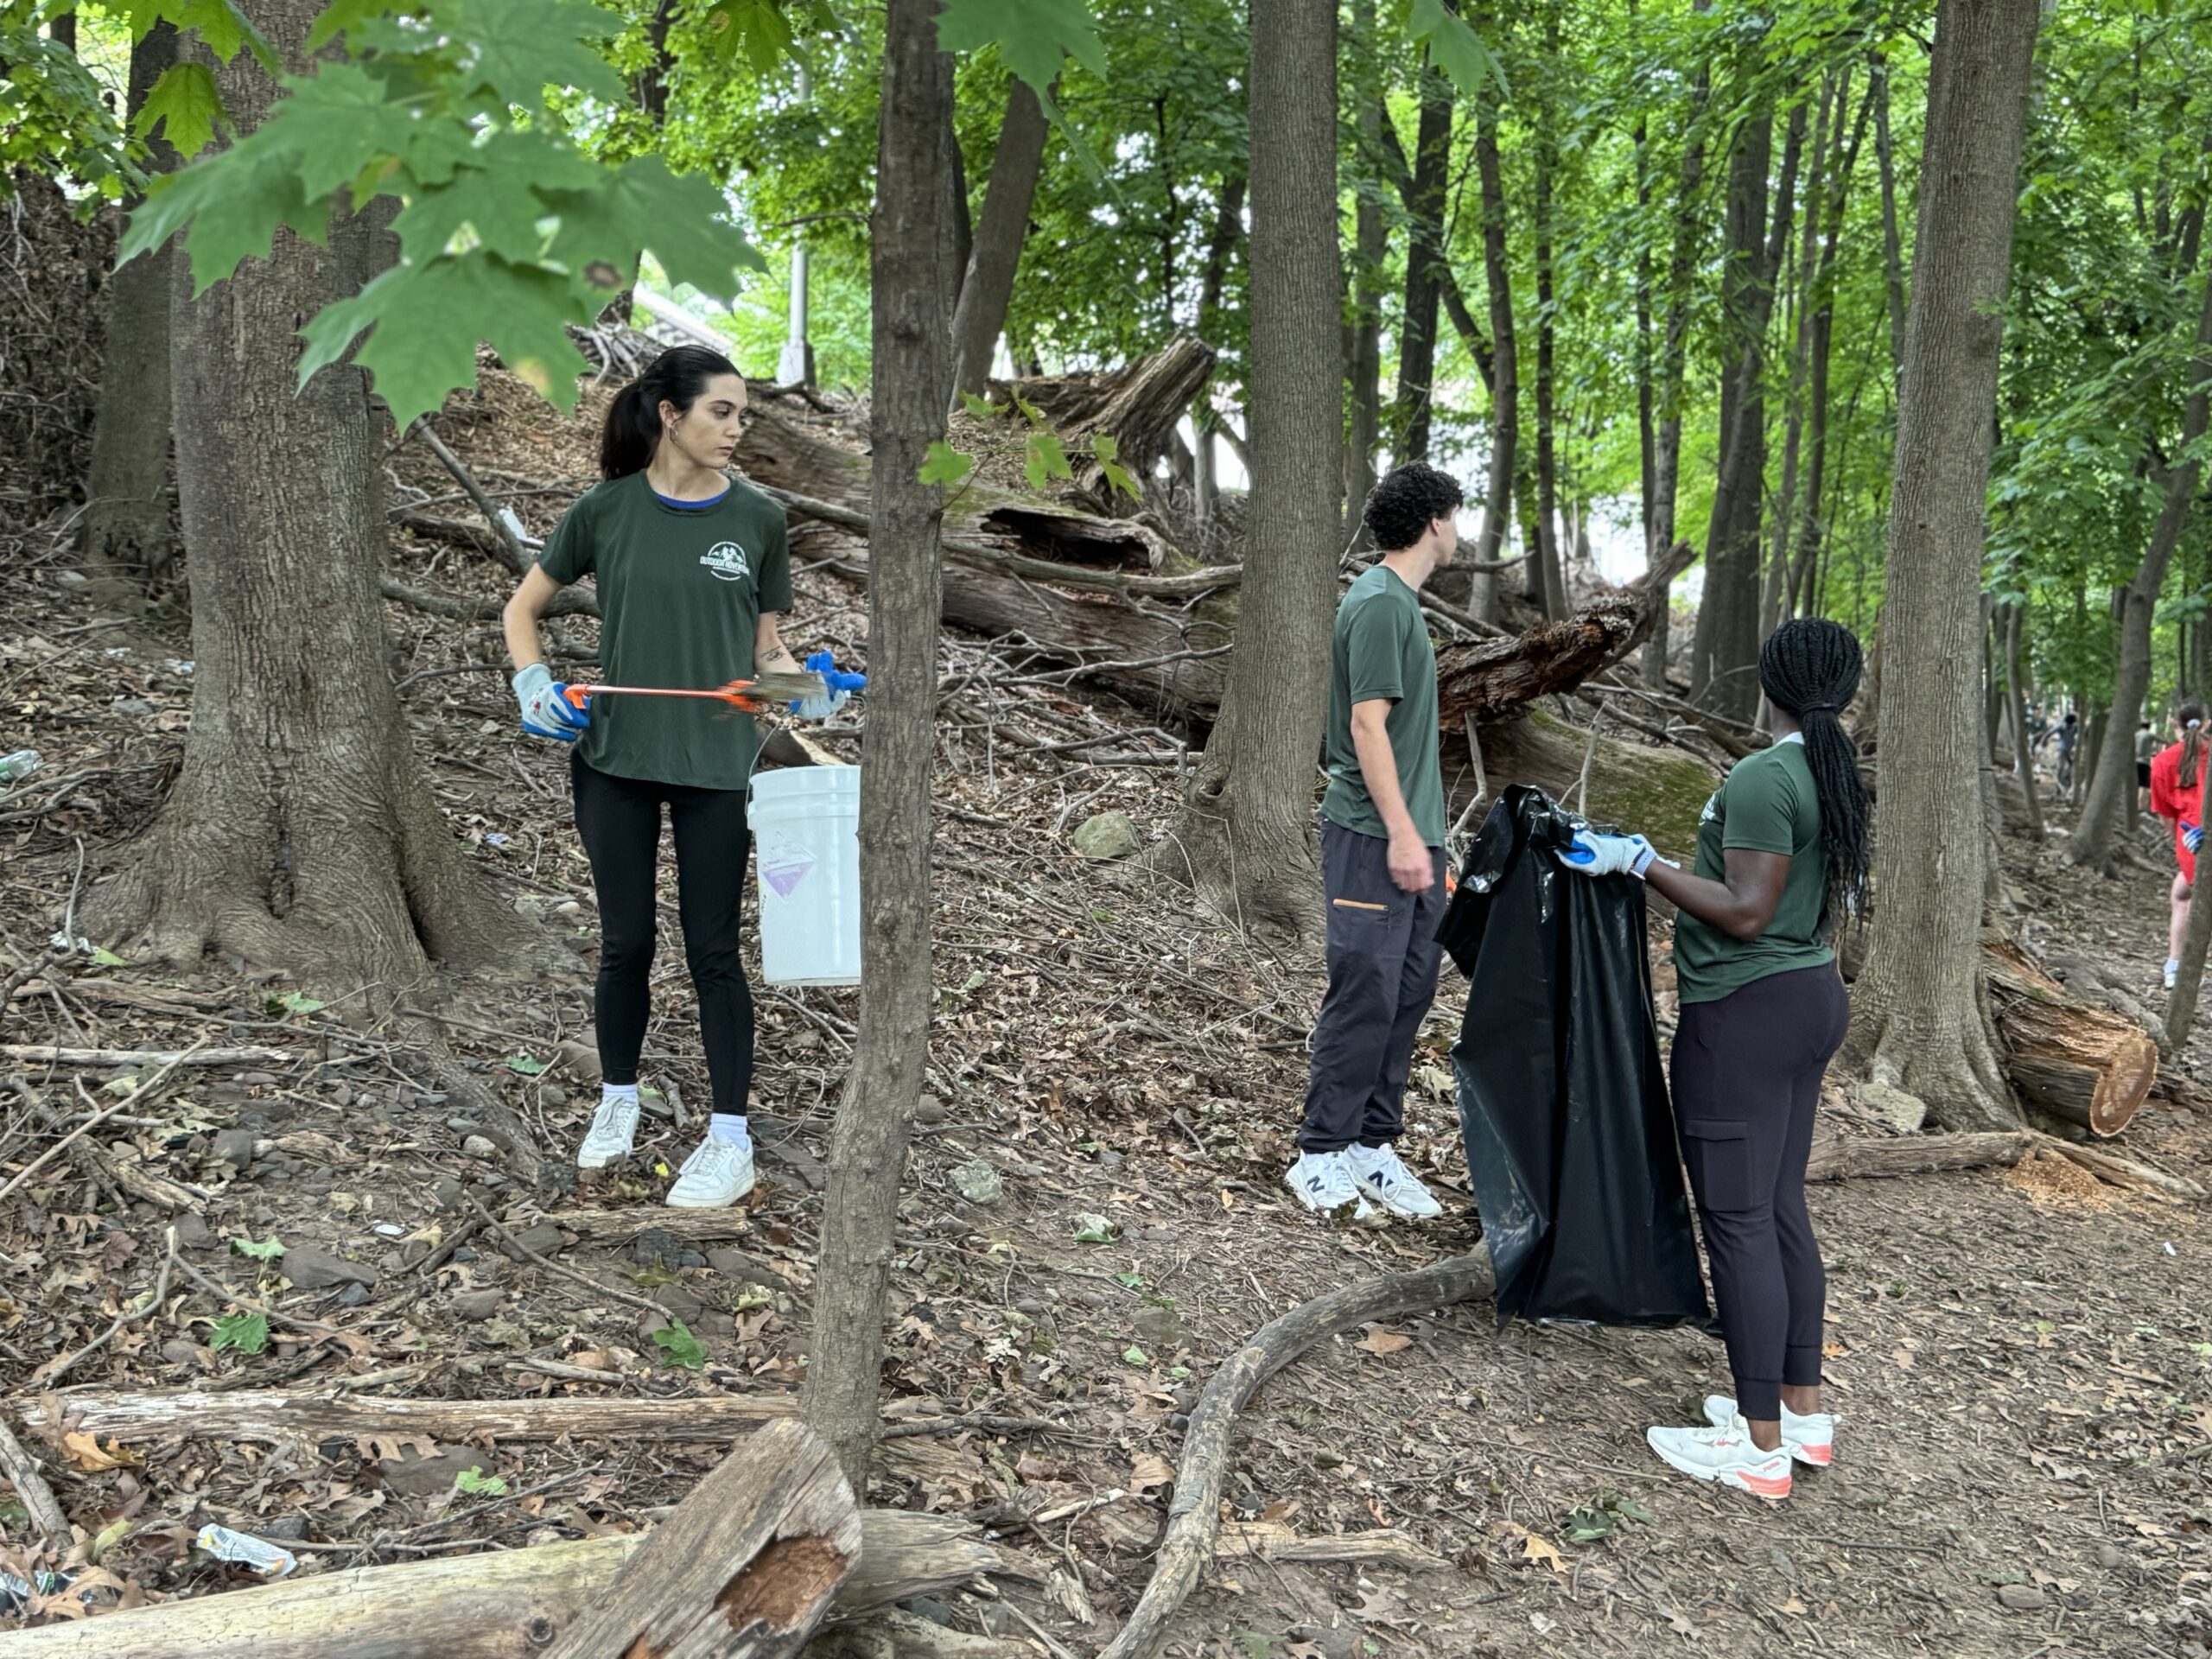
<point x="1809" y="670"/>
<point x="2189" y="717"/>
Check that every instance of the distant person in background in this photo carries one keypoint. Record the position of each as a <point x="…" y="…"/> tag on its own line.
<point x="2146" y="749"/>
<point x="2069" y="735"/>
<point x="2178" y="793"/>
<point x="1381" y="857"/>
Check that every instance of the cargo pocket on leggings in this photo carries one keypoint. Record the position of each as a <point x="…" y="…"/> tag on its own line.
<point x="1719" y="1153"/>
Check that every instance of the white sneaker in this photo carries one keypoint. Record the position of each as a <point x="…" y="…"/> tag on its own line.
<point x="1322" y="1180"/>
<point x="1725" y="1455"/>
<point x="2173" y="972"/>
<point x="1809" y="1438"/>
<point x="614" y="1132"/>
<point x="1380" y="1174"/>
<point x="716" y="1175"/>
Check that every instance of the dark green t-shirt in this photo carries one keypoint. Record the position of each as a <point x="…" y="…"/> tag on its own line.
<point x="1767" y="804"/>
<point x="1382" y="649"/>
<point x="681" y="592"/>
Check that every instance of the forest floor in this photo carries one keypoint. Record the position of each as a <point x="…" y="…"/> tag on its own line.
<point x="2023" y="1358"/>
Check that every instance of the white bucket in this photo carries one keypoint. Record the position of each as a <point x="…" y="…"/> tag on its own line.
<point x="806" y="847"/>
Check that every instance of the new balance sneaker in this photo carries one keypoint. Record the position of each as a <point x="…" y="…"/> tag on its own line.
<point x="716" y="1175"/>
<point x="1725" y="1455"/>
<point x="1380" y="1174"/>
<point x="1809" y="1438"/>
<point x="1322" y="1180"/>
<point x="614" y="1132"/>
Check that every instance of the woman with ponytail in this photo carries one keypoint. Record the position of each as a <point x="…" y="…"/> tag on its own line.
<point x="693" y="574"/>
<point x="1780" y="865"/>
<point x="2177" y="784"/>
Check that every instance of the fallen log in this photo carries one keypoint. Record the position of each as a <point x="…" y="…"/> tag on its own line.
<point x="136" y="1416"/>
<point x="2076" y="1060"/>
<point x="1861" y="1158"/>
<point x="50" y="1054"/>
<point x="1195" y="1513"/>
<point x="1137" y="405"/>
<point x="498" y="1604"/>
<point x="746" y="1568"/>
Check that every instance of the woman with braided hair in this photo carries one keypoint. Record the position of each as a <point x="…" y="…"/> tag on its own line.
<point x="1780" y="864"/>
<point x="2177" y="791"/>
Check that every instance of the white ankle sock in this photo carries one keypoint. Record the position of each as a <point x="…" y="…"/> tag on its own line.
<point x="729" y="1126"/>
<point x="609" y="1092"/>
<point x="2172" y="963"/>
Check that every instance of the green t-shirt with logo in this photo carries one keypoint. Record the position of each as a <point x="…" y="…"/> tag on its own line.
<point x="1767" y="804"/>
<point x="680" y="593"/>
<point x="1382" y="649"/>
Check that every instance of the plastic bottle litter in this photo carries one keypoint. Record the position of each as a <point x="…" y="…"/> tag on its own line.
<point x="15" y="1592"/>
<point x="248" y="1551"/>
<point x="18" y="766"/>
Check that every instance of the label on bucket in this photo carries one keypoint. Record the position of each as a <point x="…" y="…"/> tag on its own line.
<point x="784" y="864"/>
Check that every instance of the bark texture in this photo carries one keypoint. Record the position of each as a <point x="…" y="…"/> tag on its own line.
<point x="1371" y="247"/>
<point x="987" y="288"/>
<point x="2071" y="1058"/>
<point x="1425" y="262"/>
<point x="911" y="381"/>
<point x="301" y="833"/>
<point x="1245" y="838"/>
<point x="1919" y="1018"/>
<point x="1505" y="386"/>
<point x="127" y="514"/>
<point x="2112" y="781"/>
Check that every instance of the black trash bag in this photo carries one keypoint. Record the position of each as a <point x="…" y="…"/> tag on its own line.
<point x="1563" y="1097"/>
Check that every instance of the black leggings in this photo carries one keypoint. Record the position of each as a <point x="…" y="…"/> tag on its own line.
<point x="1746" y="1076"/>
<point x="619" y="821"/>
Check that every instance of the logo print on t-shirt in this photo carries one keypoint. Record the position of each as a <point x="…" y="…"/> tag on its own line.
<point x="728" y="561"/>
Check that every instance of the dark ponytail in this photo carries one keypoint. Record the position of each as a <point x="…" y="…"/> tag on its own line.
<point x="678" y="375"/>
<point x="2189" y="717"/>
<point x="1809" y="670"/>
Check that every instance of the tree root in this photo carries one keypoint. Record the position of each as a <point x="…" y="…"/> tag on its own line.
<point x="1194" y="1514"/>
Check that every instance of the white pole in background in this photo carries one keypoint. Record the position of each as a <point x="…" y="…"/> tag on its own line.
<point x="795" y="366"/>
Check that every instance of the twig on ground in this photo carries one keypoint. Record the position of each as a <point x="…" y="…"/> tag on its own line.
<point x="136" y="1095"/>
<point x="51" y="1377"/>
<point x="22" y="1469"/>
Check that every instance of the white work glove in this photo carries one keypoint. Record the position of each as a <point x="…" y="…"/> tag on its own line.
<point x="1596" y="854"/>
<point x="546" y="710"/>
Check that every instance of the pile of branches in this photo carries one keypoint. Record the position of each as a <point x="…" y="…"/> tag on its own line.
<point x="54" y="270"/>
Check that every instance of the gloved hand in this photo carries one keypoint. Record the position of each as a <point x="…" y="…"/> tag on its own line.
<point x="2192" y="835"/>
<point x="546" y="710"/>
<point x="1596" y="854"/>
<point x="841" y="685"/>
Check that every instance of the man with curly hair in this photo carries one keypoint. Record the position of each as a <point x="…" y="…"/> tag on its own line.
<point x="1382" y="827"/>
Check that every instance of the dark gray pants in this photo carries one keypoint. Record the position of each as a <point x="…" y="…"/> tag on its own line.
<point x="1382" y="959"/>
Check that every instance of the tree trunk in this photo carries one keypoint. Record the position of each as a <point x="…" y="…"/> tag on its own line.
<point x="1893" y="242"/>
<point x="1774" y="598"/>
<point x="2071" y="1058"/>
<point x="1227" y="228"/>
<point x="1504" y="388"/>
<point x="988" y="286"/>
<point x="301" y="833"/>
<point x="1245" y="837"/>
<point x="1802" y="597"/>
<point x="2016" y="694"/>
<point x="1371" y="247"/>
<point x="1549" y="585"/>
<point x="911" y="379"/>
<point x="1919" y="1018"/>
<point x="127" y="522"/>
<point x="2112" y="782"/>
<point x="1425" y="262"/>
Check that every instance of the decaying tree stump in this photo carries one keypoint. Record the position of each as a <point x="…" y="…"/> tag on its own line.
<point x="1137" y="405"/>
<point x="2076" y="1060"/>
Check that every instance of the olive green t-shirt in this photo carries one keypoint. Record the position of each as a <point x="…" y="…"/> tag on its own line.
<point x="1382" y="649"/>
<point x="1767" y="804"/>
<point x="681" y="592"/>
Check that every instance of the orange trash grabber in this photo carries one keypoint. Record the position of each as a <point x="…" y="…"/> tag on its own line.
<point x="770" y="694"/>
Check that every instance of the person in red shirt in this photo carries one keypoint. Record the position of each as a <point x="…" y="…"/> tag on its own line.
<point x="2178" y="791"/>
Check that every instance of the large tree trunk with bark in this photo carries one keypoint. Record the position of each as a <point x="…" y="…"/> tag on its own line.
<point x="301" y="833"/>
<point x="1504" y="387"/>
<point x="1245" y="838"/>
<point x="1548" y="580"/>
<point x="2111" y="783"/>
<point x="127" y="518"/>
<point x="1370" y="246"/>
<point x="988" y="289"/>
<point x="1919" y="1019"/>
<point x="911" y="268"/>
<point x="1424" y="262"/>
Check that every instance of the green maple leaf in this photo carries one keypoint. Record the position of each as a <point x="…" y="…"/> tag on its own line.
<point x="267" y="1251"/>
<point x="486" y="197"/>
<point x="474" y="1479"/>
<point x="185" y="104"/>
<point x="245" y="1333"/>
<point x="524" y="46"/>
<point x="1044" y="460"/>
<point x="755" y="28"/>
<point x="221" y="26"/>
<point x="1032" y="36"/>
<point x="979" y="407"/>
<point x="348" y="17"/>
<point x="683" y="221"/>
<point x="945" y="465"/>
<point x="337" y="122"/>
<point x="1454" y="47"/>
<point x="1108" y="449"/>
<point x="426" y="320"/>
<point x="233" y="202"/>
<point x="679" y="1347"/>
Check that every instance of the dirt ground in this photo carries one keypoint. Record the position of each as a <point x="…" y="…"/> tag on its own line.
<point x="2023" y="1359"/>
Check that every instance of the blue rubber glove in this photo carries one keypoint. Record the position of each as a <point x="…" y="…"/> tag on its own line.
<point x="841" y="685"/>
<point x="1596" y="854"/>
<point x="546" y="711"/>
<point x="2192" y="835"/>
